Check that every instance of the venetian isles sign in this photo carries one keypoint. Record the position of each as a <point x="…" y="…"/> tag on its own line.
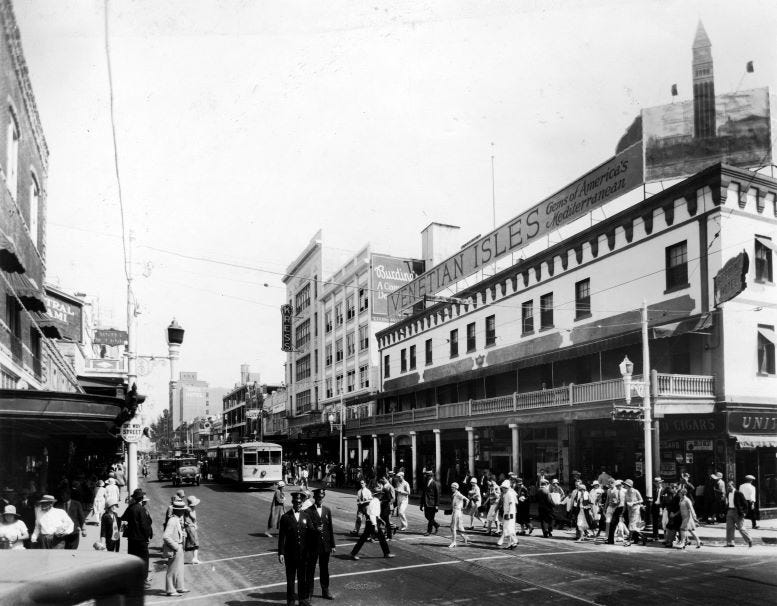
<point x="615" y="177"/>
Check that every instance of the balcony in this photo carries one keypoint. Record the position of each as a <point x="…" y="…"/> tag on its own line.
<point x="672" y="390"/>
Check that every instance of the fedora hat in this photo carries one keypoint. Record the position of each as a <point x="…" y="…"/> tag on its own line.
<point x="47" y="498"/>
<point x="178" y="503"/>
<point x="749" y="477"/>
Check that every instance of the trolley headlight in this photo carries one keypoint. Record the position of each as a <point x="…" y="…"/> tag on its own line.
<point x="264" y="473"/>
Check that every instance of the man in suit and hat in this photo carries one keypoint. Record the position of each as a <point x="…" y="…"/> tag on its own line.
<point x="295" y="541"/>
<point x="430" y="501"/>
<point x="52" y="525"/>
<point x="323" y="542"/>
<point x="139" y="531"/>
<point x="75" y="510"/>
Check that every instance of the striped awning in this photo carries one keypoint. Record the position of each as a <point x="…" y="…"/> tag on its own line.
<point x="756" y="440"/>
<point x="50" y="327"/>
<point x="30" y="294"/>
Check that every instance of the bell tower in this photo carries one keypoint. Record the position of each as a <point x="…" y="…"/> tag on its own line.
<point x="703" y="86"/>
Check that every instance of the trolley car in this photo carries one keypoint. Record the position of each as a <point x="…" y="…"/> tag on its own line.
<point x="248" y="463"/>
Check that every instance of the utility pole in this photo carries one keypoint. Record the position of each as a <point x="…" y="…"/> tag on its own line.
<point x="131" y="456"/>
<point x="647" y="407"/>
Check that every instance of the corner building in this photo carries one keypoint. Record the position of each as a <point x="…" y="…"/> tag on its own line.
<point x="523" y="374"/>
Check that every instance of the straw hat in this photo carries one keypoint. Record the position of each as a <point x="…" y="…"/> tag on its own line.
<point x="178" y="503"/>
<point x="505" y="484"/>
<point x="110" y="503"/>
<point x="47" y="498"/>
<point x="629" y="483"/>
<point x="192" y="501"/>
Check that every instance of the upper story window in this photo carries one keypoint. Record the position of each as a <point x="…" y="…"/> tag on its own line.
<point x="386" y="366"/>
<point x="339" y="314"/>
<point x="303" y="402"/>
<point x="34" y="209"/>
<point x="329" y="392"/>
<point x="583" y="299"/>
<point x="339" y="384"/>
<point x="454" y="341"/>
<point x="302" y="298"/>
<point x="766" y="343"/>
<point x="12" y="153"/>
<point x="350" y="344"/>
<point x="364" y="337"/>
<point x="328" y="321"/>
<point x="403" y="360"/>
<point x="364" y="376"/>
<point x="350" y="380"/>
<point x="339" y="350"/>
<point x="302" y="334"/>
<point x="490" y="330"/>
<point x="527" y="317"/>
<point x="677" y="266"/>
<point x="364" y="299"/>
<point x="471" y="340"/>
<point x="350" y="309"/>
<point x="412" y="357"/>
<point x="428" y="352"/>
<point x="328" y="354"/>
<point x="546" y="311"/>
<point x="303" y="368"/>
<point x="763" y="259"/>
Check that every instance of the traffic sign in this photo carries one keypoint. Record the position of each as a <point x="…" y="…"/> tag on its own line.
<point x="132" y="430"/>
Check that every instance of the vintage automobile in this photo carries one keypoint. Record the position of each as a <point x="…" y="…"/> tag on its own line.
<point x="166" y="468"/>
<point x="187" y="472"/>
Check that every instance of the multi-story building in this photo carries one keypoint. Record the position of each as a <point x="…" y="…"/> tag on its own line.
<point x="521" y="371"/>
<point x="47" y="418"/>
<point x="243" y="407"/>
<point x="194" y="398"/>
<point x="276" y="425"/>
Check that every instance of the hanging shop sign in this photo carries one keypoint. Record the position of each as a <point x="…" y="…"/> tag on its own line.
<point x="110" y="336"/>
<point x="731" y="279"/>
<point x="615" y="177"/>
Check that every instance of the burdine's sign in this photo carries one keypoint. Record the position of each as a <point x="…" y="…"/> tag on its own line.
<point x="387" y="274"/>
<point x="617" y="176"/>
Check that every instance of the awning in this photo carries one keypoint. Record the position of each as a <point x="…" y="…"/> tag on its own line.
<point x="30" y="294"/>
<point x="755" y="441"/>
<point x="675" y="329"/>
<point x="768" y="243"/>
<point x="50" y="327"/>
<point x="767" y="332"/>
<point x="9" y="257"/>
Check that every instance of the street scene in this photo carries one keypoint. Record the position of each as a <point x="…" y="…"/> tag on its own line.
<point x="399" y="303"/>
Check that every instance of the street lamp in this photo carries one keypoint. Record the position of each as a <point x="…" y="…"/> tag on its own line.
<point x="175" y="334"/>
<point x="642" y="389"/>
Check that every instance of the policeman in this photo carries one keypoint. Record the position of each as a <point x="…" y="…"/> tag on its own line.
<point x="294" y="540"/>
<point x="324" y="542"/>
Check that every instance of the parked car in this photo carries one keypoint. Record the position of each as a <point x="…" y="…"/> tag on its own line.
<point x="187" y="472"/>
<point x="166" y="468"/>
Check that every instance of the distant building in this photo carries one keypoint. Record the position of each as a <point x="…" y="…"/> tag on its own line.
<point x="238" y="424"/>
<point x="703" y="86"/>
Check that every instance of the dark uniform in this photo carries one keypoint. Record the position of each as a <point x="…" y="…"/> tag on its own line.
<point x="323" y="543"/>
<point x="294" y="544"/>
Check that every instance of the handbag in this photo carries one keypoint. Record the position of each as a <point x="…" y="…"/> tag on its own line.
<point x="448" y="512"/>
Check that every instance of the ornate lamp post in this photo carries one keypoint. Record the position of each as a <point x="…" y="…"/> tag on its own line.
<point x="175" y="334"/>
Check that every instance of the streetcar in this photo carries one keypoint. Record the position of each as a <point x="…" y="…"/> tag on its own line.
<point x="248" y="463"/>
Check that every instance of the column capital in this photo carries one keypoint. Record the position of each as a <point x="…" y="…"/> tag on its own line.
<point x="469" y="429"/>
<point x="513" y="425"/>
<point x="391" y="434"/>
<point x="358" y="437"/>
<point x="374" y="435"/>
<point x="412" y="433"/>
<point x="437" y="431"/>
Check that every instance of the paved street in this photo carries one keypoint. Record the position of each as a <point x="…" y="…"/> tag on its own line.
<point x="240" y="566"/>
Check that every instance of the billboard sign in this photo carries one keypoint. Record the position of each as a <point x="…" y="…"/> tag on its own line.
<point x="615" y="177"/>
<point x="742" y="135"/>
<point x="110" y="336"/>
<point x="287" y="315"/>
<point x="387" y="274"/>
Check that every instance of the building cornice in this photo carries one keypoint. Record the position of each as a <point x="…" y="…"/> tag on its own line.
<point x="13" y="38"/>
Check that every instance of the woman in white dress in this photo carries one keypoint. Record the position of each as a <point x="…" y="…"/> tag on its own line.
<point x="98" y="504"/>
<point x="474" y="503"/>
<point x="13" y="531"/>
<point x="458" y="503"/>
<point x="689" y="520"/>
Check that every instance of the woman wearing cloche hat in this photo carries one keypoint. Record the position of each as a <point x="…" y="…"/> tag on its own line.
<point x="110" y="536"/>
<point x="12" y="530"/>
<point x="277" y="508"/>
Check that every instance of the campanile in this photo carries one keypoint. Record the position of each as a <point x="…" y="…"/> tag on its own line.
<point x="703" y="86"/>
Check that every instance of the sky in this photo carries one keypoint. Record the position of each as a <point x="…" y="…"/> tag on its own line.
<point x="243" y="127"/>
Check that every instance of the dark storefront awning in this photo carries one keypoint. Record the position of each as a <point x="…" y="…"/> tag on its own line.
<point x="50" y="327"/>
<point x="9" y="256"/>
<point x="30" y="294"/>
<point x="675" y="329"/>
<point x="755" y="440"/>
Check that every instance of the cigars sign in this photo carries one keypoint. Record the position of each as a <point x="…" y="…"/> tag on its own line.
<point x="615" y="177"/>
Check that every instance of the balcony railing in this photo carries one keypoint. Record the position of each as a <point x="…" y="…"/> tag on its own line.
<point x="674" y="386"/>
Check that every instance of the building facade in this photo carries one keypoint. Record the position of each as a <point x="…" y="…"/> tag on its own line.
<point x="522" y="372"/>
